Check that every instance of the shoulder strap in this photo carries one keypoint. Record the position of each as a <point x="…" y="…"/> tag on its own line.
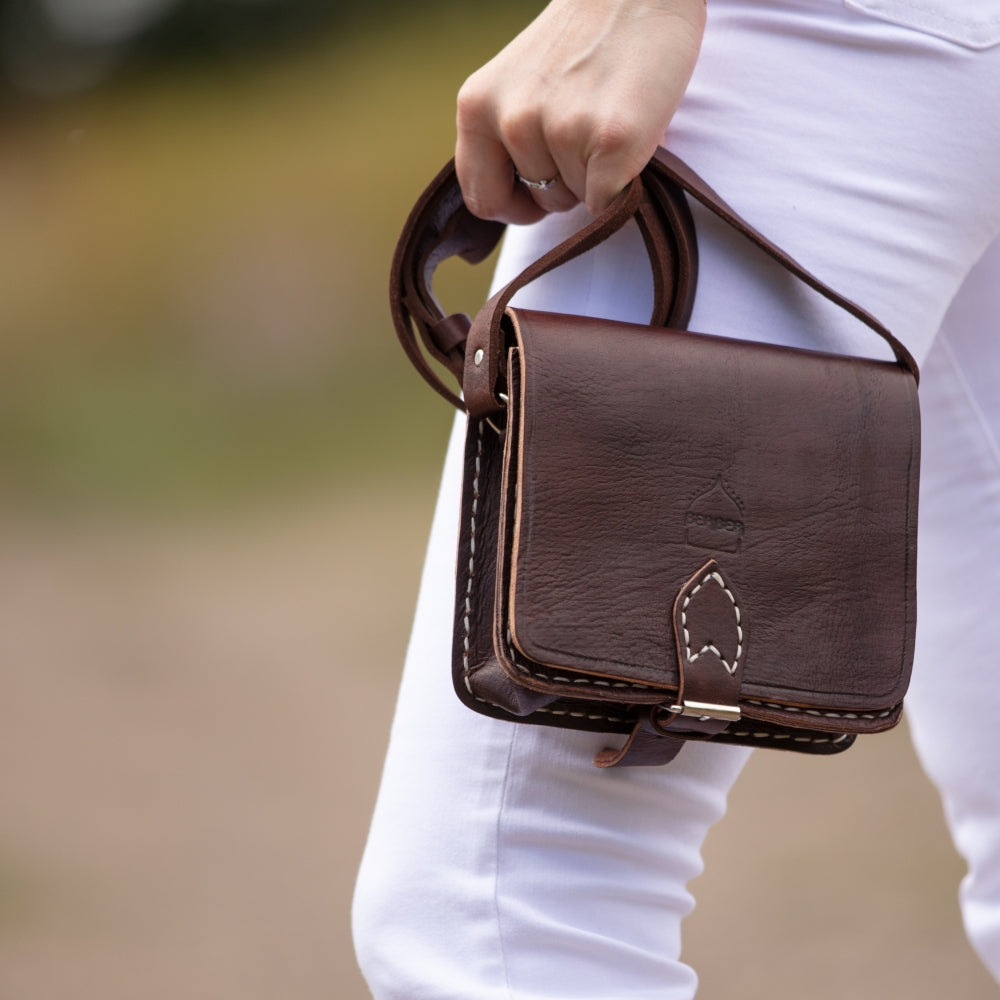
<point x="440" y="226"/>
<point x="671" y="168"/>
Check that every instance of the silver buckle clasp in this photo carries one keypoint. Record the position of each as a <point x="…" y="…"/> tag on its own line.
<point x="703" y="711"/>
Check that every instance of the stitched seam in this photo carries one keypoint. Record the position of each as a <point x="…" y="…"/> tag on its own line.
<point x="792" y="710"/>
<point x="734" y="666"/>
<point x="787" y="737"/>
<point x="734" y="734"/>
<point x="467" y="623"/>
<point x="496" y="869"/>
<point x="934" y="12"/>
<point x="557" y="679"/>
<point x="592" y="716"/>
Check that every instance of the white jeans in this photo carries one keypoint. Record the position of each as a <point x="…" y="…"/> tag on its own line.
<point x="501" y="863"/>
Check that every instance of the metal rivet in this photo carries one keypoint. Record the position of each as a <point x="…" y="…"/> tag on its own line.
<point x="477" y="358"/>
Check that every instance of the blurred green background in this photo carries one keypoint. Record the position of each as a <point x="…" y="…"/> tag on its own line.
<point x="194" y="252"/>
<point x="216" y="476"/>
<point x="216" y="473"/>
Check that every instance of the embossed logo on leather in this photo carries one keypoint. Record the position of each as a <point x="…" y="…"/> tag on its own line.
<point x="714" y="521"/>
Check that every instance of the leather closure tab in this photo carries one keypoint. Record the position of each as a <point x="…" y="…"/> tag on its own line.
<point x="711" y="650"/>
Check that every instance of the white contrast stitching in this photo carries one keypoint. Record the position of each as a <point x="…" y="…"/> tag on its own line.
<point x="472" y="563"/>
<point x="746" y="733"/>
<point x="592" y="716"/>
<point x="730" y="667"/>
<point x="586" y="681"/>
<point x="557" y="679"/>
<point x="793" y="710"/>
<point x="738" y="734"/>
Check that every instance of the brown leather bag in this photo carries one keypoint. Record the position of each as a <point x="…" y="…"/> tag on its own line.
<point x="669" y="534"/>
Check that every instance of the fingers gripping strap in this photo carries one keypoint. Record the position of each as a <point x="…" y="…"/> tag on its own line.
<point x="668" y="232"/>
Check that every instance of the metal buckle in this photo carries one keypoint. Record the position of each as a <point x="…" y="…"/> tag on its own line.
<point x="505" y="399"/>
<point x="703" y="711"/>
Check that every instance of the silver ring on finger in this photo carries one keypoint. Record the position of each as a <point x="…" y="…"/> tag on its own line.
<point x="536" y="185"/>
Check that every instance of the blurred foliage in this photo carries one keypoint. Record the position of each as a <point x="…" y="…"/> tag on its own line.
<point x="193" y="269"/>
<point x="55" y="47"/>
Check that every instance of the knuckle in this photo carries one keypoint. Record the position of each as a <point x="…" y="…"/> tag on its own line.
<point x="567" y="132"/>
<point x="516" y="130"/>
<point x="476" y="204"/>
<point x="471" y="104"/>
<point x="481" y="204"/>
<point x="611" y="137"/>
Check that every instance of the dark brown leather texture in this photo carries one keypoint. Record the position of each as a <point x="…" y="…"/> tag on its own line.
<point x="671" y="534"/>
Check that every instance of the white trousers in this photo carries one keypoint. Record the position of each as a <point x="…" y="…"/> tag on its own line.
<point x="863" y="138"/>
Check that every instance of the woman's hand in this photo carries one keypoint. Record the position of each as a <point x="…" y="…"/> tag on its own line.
<point x="583" y="94"/>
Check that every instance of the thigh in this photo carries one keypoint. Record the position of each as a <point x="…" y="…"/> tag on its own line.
<point x="501" y="862"/>
<point x="954" y="700"/>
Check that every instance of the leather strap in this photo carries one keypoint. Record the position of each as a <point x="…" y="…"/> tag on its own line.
<point x="678" y="171"/>
<point x="440" y="226"/>
<point x="646" y="745"/>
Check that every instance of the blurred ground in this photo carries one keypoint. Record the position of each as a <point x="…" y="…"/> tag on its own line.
<point x="192" y="723"/>
<point x="207" y="569"/>
<point x="193" y="718"/>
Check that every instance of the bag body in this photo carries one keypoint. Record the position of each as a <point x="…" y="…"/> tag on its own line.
<point x="680" y="535"/>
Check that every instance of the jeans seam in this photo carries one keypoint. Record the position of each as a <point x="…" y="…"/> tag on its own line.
<point x="497" y="865"/>
<point x="972" y="401"/>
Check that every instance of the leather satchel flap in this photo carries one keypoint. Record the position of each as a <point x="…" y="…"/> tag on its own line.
<point x="646" y="453"/>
